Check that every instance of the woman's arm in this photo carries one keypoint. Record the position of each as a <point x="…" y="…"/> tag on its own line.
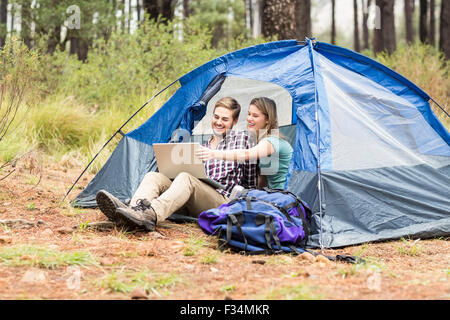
<point x="262" y="149"/>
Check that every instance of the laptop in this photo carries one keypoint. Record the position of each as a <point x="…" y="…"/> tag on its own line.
<point x="174" y="158"/>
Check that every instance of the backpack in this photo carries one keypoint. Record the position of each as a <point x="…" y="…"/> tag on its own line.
<point x="265" y="221"/>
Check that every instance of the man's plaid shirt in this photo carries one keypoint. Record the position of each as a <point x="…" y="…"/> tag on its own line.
<point x="230" y="173"/>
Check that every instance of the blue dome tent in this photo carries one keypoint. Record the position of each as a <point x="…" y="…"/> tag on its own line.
<point x="370" y="156"/>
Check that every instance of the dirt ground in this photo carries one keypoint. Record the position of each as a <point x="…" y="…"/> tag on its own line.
<point x="58" y="256"/>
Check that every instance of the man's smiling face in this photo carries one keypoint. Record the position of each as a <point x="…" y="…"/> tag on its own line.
<point x="222" y="121"/>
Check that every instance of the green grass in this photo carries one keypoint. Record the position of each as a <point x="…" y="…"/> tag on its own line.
<point x="228" y="288"/>
<point x="210" y="258"/>
<point x="73" y="211"/>
<point x="31" y="206"/>
<point x="359" y="251"/>
<point x="32" y="179"/>
<point x="145" y="279"/>
<point x="370" y="264"/>
<point x="189" y="251"/>
<point x="296" y="292"/>
<point x="84" y="225"/>
<point x="409" y="248"/>
<point x="348" y="271"/>
<point x="43" y="257"/>
<point x="194" y="245"/>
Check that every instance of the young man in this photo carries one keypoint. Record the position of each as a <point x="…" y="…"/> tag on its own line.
<point x="157" y="197"/>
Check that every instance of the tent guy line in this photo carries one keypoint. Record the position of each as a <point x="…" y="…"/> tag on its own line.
<point x="115" y="133"/>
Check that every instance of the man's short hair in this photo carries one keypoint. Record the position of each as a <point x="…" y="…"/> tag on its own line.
<point x="230" y="104"/>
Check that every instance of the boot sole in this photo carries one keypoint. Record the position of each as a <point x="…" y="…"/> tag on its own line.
<point x="132" y="222"/>
<point x="107" y="206"/>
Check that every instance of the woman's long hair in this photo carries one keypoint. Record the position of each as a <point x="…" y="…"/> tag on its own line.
<point x="268" y="107"/>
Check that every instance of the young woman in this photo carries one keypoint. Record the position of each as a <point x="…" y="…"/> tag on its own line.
<point x="273" y="152"/>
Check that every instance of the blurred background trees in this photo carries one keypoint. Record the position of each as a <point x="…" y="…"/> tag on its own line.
<point x="358" y="24"/>
<point x="83" y="66"/>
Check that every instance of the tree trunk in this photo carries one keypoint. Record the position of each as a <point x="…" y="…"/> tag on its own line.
<point x="3" y="20"/>
<point x="129" y="16"/>
<point x="138" y="11"/>
<point x="278" y="19"/>
<point x="151" y="7"/>
<point x="444" y="29"/>
<point x="12" y="13"/>
<point x="431" y="32"/>
<point x="365" y="29"/>
<point x="257" y="17"/>
<point x="248" y="15"/>
<point x="165" y="8"/>
<point x="25" y="24"/>
<point x="409" y="11"/>
<point x="356" y="26"/>
<point x="303" y="18"/>
<point x="54" y="39"/>
<point x="83" y="47"/>
<point x="333" y="21"/>
<point x="73" y="49"/>
<point x="423" y="33"/>
<point x="388" y="26"/>
<point x="168" y="9"/>
<point x="378" y="43"/>
<point x="123" y="19"/>
<point x="384" y="37"/>
<point x="186" y="9"/>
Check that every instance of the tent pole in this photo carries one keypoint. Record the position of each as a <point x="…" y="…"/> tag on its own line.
<point x="319" y="173"/>
<point x="440" y="107"/>
<point x="115" y="133"/>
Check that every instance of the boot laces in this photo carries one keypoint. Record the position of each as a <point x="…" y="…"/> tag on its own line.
<point x="142" y="204"/>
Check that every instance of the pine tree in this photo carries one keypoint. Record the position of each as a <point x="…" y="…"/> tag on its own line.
<point x="409" y="11"/>
<point x="388" y="26"/>
<point x="278" y="19"/>
<point x="378" y="43"/>
<point x="355" y="26"/>
<point x="303" y="18"/>
<point x="333" y="21"/>
<point x="423" y="32"/>
<point x="384" y="37"/>
<point x="431" y="31"/>
<point x="163" y="8"/>
<point x="3" y="20"/>
<point x="444" y="29"/>
<point x="365" y="29"/>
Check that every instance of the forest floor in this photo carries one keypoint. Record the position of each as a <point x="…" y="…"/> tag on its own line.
<point x="55" y="255"/>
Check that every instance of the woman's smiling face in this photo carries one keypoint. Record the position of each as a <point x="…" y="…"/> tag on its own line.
<point x="256" y="120"/>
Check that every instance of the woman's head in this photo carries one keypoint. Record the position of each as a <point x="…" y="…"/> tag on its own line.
<point x="225" y="115"/>
<point x="262" y="114"/>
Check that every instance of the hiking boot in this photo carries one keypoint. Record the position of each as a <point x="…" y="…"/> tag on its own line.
<point x="108" y="204"/>
<point x="140" y="216"/>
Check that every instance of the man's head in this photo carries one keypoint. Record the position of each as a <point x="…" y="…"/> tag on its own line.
<point x="225" y="115"/>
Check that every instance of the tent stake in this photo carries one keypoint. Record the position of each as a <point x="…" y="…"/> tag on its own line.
<point x="115" y="133"/>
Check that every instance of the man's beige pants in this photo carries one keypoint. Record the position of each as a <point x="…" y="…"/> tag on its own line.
<point x="184" y="192"/>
